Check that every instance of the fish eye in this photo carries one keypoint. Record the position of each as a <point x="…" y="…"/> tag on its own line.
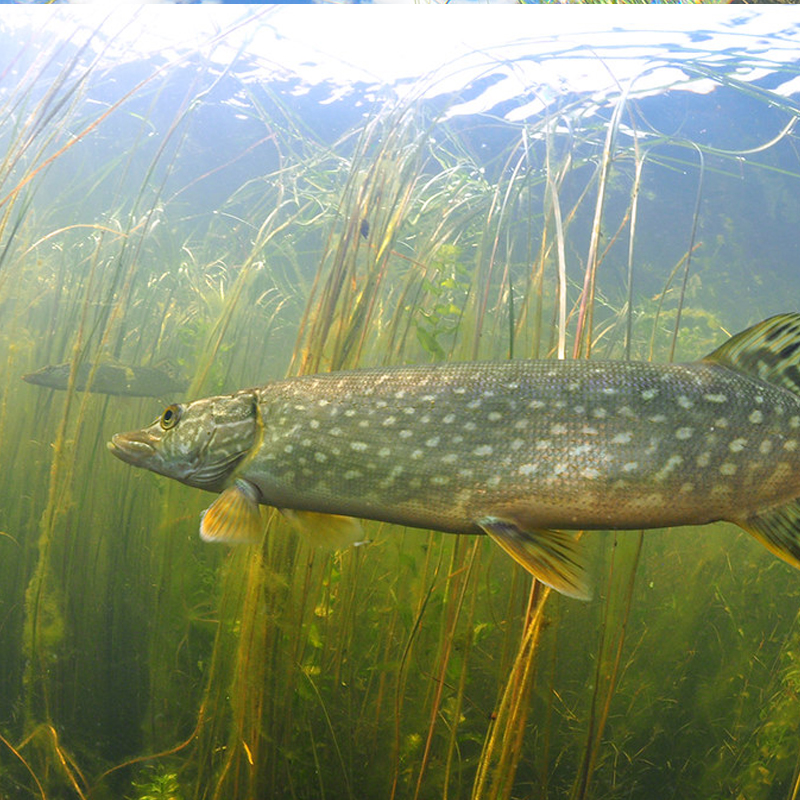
<point x="169" y="419"/>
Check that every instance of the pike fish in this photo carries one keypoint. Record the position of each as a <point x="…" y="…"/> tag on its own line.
<point x="116" y="379"/>
<point x="524" y="451"/>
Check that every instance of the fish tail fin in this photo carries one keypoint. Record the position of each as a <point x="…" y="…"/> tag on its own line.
<point x="552" y="557"/>
<point x="778" y="529"/>
<point x="769" y="351"/>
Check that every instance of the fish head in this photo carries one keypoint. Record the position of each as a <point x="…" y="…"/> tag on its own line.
<point x="199" y="444"/>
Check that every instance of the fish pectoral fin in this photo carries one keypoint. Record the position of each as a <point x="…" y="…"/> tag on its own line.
<point x="778" y="529"/>
<point x="234" y="517"/>
<point x="332" y="531"/>
<point x="552" y="557"/>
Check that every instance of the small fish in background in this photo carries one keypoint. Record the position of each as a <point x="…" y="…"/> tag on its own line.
<point x="519" y="450"/>
<point x="364" y="228"/>
<point x="113" y="379"/>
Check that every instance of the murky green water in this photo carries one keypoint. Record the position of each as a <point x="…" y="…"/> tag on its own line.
<point x="229" y="206"/>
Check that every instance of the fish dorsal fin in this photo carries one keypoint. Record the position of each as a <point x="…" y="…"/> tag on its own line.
<point x="769" y="351"/>
<point x="553" y="557"/>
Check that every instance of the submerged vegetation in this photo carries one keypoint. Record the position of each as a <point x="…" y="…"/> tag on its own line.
<point x="139" y="662"/>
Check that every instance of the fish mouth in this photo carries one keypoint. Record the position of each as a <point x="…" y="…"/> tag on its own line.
<point x="132" y="448"/>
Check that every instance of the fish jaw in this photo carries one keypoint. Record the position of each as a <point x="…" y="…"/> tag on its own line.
<point x="200" y="444"/>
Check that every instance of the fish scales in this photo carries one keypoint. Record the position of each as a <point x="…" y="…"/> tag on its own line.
<point x="519" y="450"/>
<point x="572" y="445"/>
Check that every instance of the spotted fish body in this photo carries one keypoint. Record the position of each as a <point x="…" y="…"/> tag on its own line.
<point x="517" y="449"/>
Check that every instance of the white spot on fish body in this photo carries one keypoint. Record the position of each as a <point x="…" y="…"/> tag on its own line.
<point x="704" y="459"/>
<point x="320" y="457"/>
<point x="544" y="444"/>
<point x="474" y="404"/>
<point x="440" y="480"/>
<point x="448" y="418"/>
<point x="432" y="442"/>
<point x="649" y="394"/>
<point x="726" y="468"/>
<point x="322" y="403"/>
<point x="758" y="399"/>
<point x="722" y="422"/>
<point x="425" y="418"/>
<point x="494" y="416"/>
<point x="715" y="398"/>
<point x="669" y="467"/>
<point x="579" y="409"/>
<point x="765" y="447"/>
<point x="416" y="454"/>
<point x="399" y="395"/>
<point x="350" y="412"/>
<point x="456" y="439"/>
<point x="483" y="450"/>
<point x="580" y="450"/>
<point x="737" y="445"/>
<point x="513" y="385"/>
<point x="428" y="398"/>
<point x="389" y="421"/>
<point x="384" y="452"/>
<point x="363" y="423"/>
<point x="528" y="469"/>
<point x="684" y="401"/>
<point x="359" y="447"/>
<point x="558" y="429"/>
<point x="686" y="488"/>
<point x="521" y="423"/>
<point x="494" y="481"/>
<point x="794" y="422"/>
<point x="599" y="413"/>
<point x="610" y="390"/>
<point x="288" y="448"/>
<point x="756" y="417"/>
<point x="409" y="410"/>
<point x="450" y="458"/>
<point x="684" y="433"/>
<point x="405" y="433"/>
<point x="516" y="444"/>
<point x="459" y="390"/>
<point x="590" y="472"/>
<point x="588" y="430"/>
<point x="622" y="438"/>
<point x="627" y="411"/>
<point x="314" y="424"/>
<point x="536" y="404"/>
<point x="790" y="445"/>
<point x="488" y="393"/>
<point x="380" y="404"/>
<point x="470" y="426"/>
<point x="630" y="466"/>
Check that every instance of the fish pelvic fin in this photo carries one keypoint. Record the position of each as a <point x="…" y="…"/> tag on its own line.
<point x="234" y="517"/>
<point x="555" y="558"/>
<point x="778" y="529"/>
<point x="331" y="531"/>
<point x="769" y="350"/>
